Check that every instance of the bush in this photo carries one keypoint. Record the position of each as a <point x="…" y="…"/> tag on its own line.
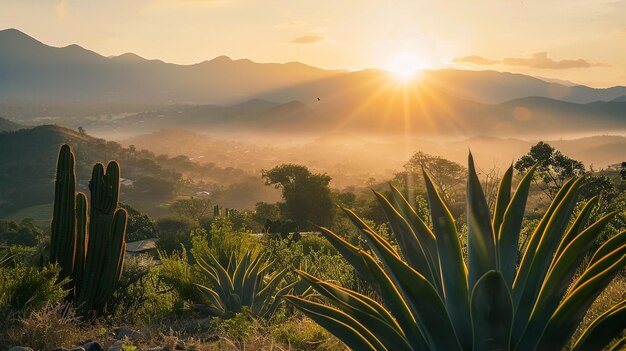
<point x="24" y="289"/>
<point x="25" y="233"/>
<point x="138" y="297"/>
<point x="174" y="231"/>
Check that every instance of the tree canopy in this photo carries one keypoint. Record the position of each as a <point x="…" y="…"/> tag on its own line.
<point x="553" y="168"/>
<point x="307" y="195"/>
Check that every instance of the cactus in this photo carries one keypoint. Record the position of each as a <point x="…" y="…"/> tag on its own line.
<point x="89" y="246"/>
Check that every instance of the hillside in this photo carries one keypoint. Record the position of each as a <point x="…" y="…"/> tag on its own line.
<point x="28" y="161"/>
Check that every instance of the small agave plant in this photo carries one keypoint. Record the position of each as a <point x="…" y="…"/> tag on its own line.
<point x="432" y="300"/>
<point x="243" y="283"/>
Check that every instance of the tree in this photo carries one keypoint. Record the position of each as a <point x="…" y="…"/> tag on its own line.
<point x="139" y="226"/>
<point x="174" y="231"/>
<point x="448" y="176"/>
<point x="553" y="168"/>
<point x="194" y="208"/>
<point x="307" y="195"/>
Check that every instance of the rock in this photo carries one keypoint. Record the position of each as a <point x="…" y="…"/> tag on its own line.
<point x="180" y="345"/>
<point x="78" y="349"/>
<point x="158" y="348"/>
<point x="61" y="349"/>
<point x="124" y="332"/>
<point x="20" y="348"/>
<point x="117" y="346"/>
<point x="93" y="346"/>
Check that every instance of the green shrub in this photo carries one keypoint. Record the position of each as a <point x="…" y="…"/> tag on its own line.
<point x="24" y="289"/>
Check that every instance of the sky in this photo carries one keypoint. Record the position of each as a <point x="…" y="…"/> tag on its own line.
<point x="582" y="41"/>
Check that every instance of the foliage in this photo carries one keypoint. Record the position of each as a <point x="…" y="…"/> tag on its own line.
<point x="141" y="296"/>
<point x="552" y="167"/>
<point x="25" y="233"/>
<point x="194" y="208"/>
<point x="24" y="288"/>
<point x="244" y="283"/>
<point x="445" y="174"/>
<point x="139" y="226"/>
<point x="174" y="232"/>
<point x="438" y="302"/>
<point x="307" y="195"/>
<point x="223" y="241"/>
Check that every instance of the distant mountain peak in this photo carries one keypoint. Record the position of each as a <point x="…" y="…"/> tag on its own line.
<point x="221" y="59"/>
<point x="128" y="57"/>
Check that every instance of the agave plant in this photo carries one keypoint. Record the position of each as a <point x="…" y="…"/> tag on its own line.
<point x="433" y="300"/>
<point x="244" y="282"/>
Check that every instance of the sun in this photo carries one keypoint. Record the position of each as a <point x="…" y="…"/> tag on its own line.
<point x="405" y="67"/>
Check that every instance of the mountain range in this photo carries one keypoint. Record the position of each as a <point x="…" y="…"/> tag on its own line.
<point x="38" y="82"/>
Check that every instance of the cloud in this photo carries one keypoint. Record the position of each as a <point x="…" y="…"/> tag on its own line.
<point x="475" y="60"/>
<point x="308" y="39"/>
<point x="539" y="60"/>
<point x="542" y="61"/>
<point x="61" y="8"/>
<point x="290" y="24"/>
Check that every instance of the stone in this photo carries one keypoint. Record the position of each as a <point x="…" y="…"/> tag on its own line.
<point x="117" y="346"/>
<point x="78" y="349"/>
<point x="158" y="348"/>
<point x="61" y="349"/>
<point x="20" y="348"/>
<point x="125" y="332"/>
<point x="93" y="346"/>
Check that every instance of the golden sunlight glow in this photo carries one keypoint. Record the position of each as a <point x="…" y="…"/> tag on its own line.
<point x="406" y="67"/>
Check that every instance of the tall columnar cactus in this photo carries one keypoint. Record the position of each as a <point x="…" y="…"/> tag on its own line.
<point x="89" y="247"/>
<point x="63" y="239"/>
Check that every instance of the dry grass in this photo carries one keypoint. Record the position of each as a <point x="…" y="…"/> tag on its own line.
<point x="51" y="327"/>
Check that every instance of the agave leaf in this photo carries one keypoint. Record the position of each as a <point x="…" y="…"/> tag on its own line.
<point x="492" y="313"/>
<point x="421" y="297"/>
<point x="614" y="243"/>
<point x="603" y="262"/>
<point x="350" y="252"/>
<point x="389" y="335"/>
<point x="354" y="299"/>
<point x="240" y="270"/>
<point x="558" y="280"/>
<point x="508" y="234"/>
<point x="221" y="290"/>
<point x="363" y="227"/>
<point x="481" y="245"/>
<point x="265" y="294"/>
<point x="376" y="276"/>
<point x="251" y="283"/>
<point x="453" y="270"/>
<point x="531" y="247"/>
<point x="414" y="253"/>
<point x="339" y="324"/>
<point x="577" y="226"/>
<point x="422" y="232"/>
<point x="503" y="199"/>
<point x="542" y="258"/>
<point x="571" y="311"/>
<point x="603" y="329"/>
<point x="619" y="345"/>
